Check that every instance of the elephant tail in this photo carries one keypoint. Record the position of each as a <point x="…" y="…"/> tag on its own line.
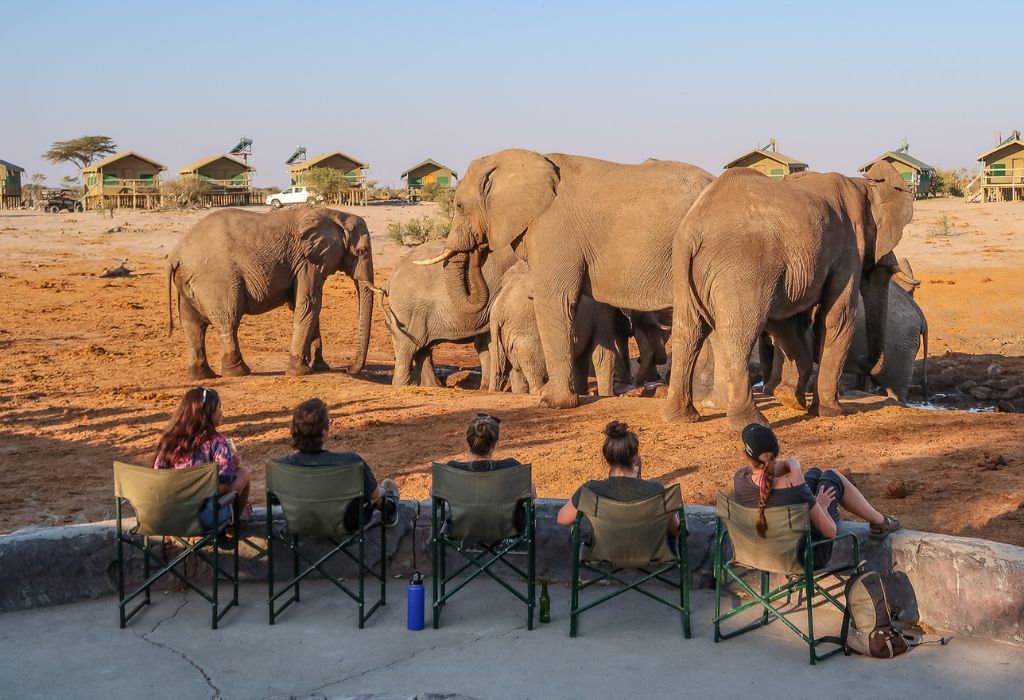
<point x="924" y="357"/>
<point x="171" y="269"/>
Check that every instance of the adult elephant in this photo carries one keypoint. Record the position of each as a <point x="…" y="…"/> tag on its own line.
<point x="235" y="263"/>
<point x="420" y="314"/>
<point x="756" y="253"/>
<point x="516" y="346"/>
<point x="584" y="226"/>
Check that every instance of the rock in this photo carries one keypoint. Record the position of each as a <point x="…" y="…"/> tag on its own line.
<point x="965" y="387"/>
<point x="1006" y="407"/>
<point x="989" y="462"/>
<point x="897" y="488"/>
<point x="458" y="379"/>
<point x="114" y="229"/>
<point x="1014" y="392"/>
<point x="982" y="393"/>
<point x="995" y="369"/>
<point x="948" y="376"/>
<point x="998" y="385"/>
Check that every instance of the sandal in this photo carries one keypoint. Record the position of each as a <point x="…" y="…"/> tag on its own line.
<point x="882" y="529"/>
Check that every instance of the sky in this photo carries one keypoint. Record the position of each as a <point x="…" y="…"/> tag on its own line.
<point x="835" y="83"/>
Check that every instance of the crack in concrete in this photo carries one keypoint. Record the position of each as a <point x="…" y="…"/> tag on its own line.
<point x="390" y="664"/>
<point x="144" y="636"/>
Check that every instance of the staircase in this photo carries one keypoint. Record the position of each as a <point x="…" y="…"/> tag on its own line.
<point x="973" y="191"/>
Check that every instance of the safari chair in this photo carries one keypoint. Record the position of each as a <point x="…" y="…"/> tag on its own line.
<point x="166" y="504"/>
<point x="789" y="529"/>
<point x="473" y="513"/>
<point x="314" y="501"/>
<point x="630" y="535"/>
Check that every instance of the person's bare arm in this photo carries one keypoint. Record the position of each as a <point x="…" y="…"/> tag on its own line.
<point x="673" y="525"/>
<point x="820" y="518"/>
<point x="567" y="515"/>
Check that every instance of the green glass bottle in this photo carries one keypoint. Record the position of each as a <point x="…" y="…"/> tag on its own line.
<point x="545" y="603"/>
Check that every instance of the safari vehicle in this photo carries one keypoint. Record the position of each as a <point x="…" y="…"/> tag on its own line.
<point x="56" y="202"/>
<point x="292" y="195"/>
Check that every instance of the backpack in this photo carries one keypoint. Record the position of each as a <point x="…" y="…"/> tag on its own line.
<point x="872" y="632"/>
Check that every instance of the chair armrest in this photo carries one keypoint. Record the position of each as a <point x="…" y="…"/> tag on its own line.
<point x="681" y="512"/>
<point x="845" y="535"/>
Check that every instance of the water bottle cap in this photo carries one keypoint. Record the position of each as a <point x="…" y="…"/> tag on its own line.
<point x="417" y="578"/>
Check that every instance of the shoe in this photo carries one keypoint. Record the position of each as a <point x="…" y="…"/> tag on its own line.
<point x="882" y="529"/>
<point x="390" y="504"/>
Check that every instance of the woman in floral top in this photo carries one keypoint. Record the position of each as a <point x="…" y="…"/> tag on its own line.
<point x="191" y="438"/>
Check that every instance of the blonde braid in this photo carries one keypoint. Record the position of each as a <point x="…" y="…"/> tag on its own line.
<point x="767" y="485"/>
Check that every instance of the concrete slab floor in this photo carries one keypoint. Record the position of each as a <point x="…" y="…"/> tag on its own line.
<point x="629" y="648"/>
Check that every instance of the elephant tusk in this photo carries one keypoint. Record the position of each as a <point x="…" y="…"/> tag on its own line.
<point x="376" y="290"/>
<point x="663" y="327"/>
<point x="907" y="278"/>
<point x="448" y="252"/>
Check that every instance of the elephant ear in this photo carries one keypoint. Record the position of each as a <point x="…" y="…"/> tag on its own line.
<point x="892" y="207"/>
<point x="516" y="190"/>
<point x="315" y="234"/>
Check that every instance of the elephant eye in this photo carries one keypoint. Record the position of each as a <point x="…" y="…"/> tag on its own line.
<point x="461" y="209"/>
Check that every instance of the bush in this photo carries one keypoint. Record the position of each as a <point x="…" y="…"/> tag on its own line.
<point x="417" y="231"/>
<point x="329" y="183"/>
<point x="433" y="192"/>
<point x="185" y="192"/>
<point x="951" y="183"/>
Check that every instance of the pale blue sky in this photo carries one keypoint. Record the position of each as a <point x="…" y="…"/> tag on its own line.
<point x="396" y="82"/>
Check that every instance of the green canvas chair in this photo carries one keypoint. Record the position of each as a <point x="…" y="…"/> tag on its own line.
<point x="789" y="531"/>
<point x="630" y="536"/>
<point x="473" y="513"/>
<point x="314" y="501"/>
<point x="166" y="504"/>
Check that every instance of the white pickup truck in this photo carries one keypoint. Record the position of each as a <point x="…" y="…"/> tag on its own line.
<point x="291" y="195"/>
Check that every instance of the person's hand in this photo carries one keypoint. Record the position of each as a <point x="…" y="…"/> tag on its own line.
<point x="826" y="494"/>
<point x="792" y="464"/>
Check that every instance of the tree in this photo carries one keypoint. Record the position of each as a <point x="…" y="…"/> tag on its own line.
<point x="81" y="151"/>
<point x="329" y="183"/>
<point x="35" y="187"/>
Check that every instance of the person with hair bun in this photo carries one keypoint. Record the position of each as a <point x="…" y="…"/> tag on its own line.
<point x="625" y="481"/>
<point x="191" y="439"/>
<point x="766" y="481"/>
<point x="482" y="434"/>
<point x="310" y="429"/>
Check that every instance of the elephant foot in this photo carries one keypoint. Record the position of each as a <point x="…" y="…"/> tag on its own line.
<point x="686" y="414"/>
<point x="320" y="365"/>
<point x="823" y="410"/>
<point x="296" y="367"/>
<point x="237" y="368"/>
<point x="203" y="371"/>
<point x="553" y="398"/>
<point x="429" y="380"/>
<point x="739" y="421"/>
<point x="789" y="398"/>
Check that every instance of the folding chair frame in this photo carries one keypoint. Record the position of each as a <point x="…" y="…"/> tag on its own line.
<point x="439" y="543"/>
<point x="357" y="538"/>
<point x="808" y="583"/>
<point x="214" y="538"/>
<point x="681" y="563"/>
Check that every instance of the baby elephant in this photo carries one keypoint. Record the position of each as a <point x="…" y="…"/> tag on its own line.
<point x="515" y="340"/>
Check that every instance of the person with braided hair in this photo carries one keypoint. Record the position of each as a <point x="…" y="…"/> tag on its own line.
<point x="767" y="481"/>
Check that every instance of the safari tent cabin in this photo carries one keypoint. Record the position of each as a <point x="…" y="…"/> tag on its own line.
<point x="10" y="185"/>
<point x="918" y="174"/>
<point x="351" y="167"/>
<point x="769" y="161"/>
<point x="1002" y="173"/>
<point x="123" y="180"/>
<point x="227" y="180"/>
<point x="428" y="172"/>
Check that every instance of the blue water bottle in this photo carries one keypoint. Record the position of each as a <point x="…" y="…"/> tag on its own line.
<point x="415" y="601"/>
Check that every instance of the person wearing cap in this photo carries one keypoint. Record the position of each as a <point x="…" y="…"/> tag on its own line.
<point x="482" y="438"/>
<point x="766" y="481"/>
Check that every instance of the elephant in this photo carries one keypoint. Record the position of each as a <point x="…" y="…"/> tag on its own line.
<point x="757" y="254"/>
<point x="515" y="339"/>
<point x="420" y="314"/>
<point x="235" y="262"/>
<point x="584" y="226"/>
<point x="651" y="331"/>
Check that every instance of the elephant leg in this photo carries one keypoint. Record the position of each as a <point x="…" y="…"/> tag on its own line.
<point x="792" y="346"/>
<point x="689" y="331"/>
<point x="581" y="374"/>
<point x="836" y="325"/>
<point x="316" y="348"/>
<point x="404" y="351"/>
<point x="231" y="362"/>
<point x="306" y="321"/>
<point x="736" y="343"/>
<point x="766" y="358"/>
<point x="555" y="310"/>
<point x="603" y="359"/>
<point x="424" y="362"/>
<point x="518" y="381"/>
<point x="194" y="326"/>
<point x="482" y="345"/>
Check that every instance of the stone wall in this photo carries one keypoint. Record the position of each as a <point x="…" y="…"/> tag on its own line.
<point x="952" y="584"/>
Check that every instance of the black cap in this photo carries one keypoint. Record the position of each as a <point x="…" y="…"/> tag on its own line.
<point x="758" y="439"/>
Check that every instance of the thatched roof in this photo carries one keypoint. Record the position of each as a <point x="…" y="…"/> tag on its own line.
<point x="316" y="160"/>
<point x="429" y="162"/>
<point x="193" y="167"/>
<point x="905" y="158"/>
<point x="120" y="156"/>
<point x="1013" y="140"/>
<point x="774" y="155"/>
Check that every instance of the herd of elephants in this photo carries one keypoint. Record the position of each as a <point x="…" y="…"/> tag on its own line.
<point x="554" y="261"/>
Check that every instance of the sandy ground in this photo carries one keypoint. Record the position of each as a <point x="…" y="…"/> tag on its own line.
<point x="88" y="375"/>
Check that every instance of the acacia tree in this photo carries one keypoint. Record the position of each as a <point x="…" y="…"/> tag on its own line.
<point x="81" y="151"/>
<point x="329" y="183"/>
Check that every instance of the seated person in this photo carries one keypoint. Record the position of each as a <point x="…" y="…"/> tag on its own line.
<point x="311" y="427"/>
<point x="192" y="439"/>
<point x="767" y="481"/>
<point x="481" y="438"/>
<point x="624" y="482"/>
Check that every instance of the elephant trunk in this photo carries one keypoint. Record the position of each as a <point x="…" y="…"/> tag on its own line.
<point x="364" y="291"/>
<point x="464" y="280"/>
<point x="875" y="293"/>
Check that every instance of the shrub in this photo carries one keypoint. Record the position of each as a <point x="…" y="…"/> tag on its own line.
<point x="184" y="192"/>
<point x="433" y="192"/>
<point x="417" y="231"/>
<point x="329" y="183"/>
<point x="951" y="182"/>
